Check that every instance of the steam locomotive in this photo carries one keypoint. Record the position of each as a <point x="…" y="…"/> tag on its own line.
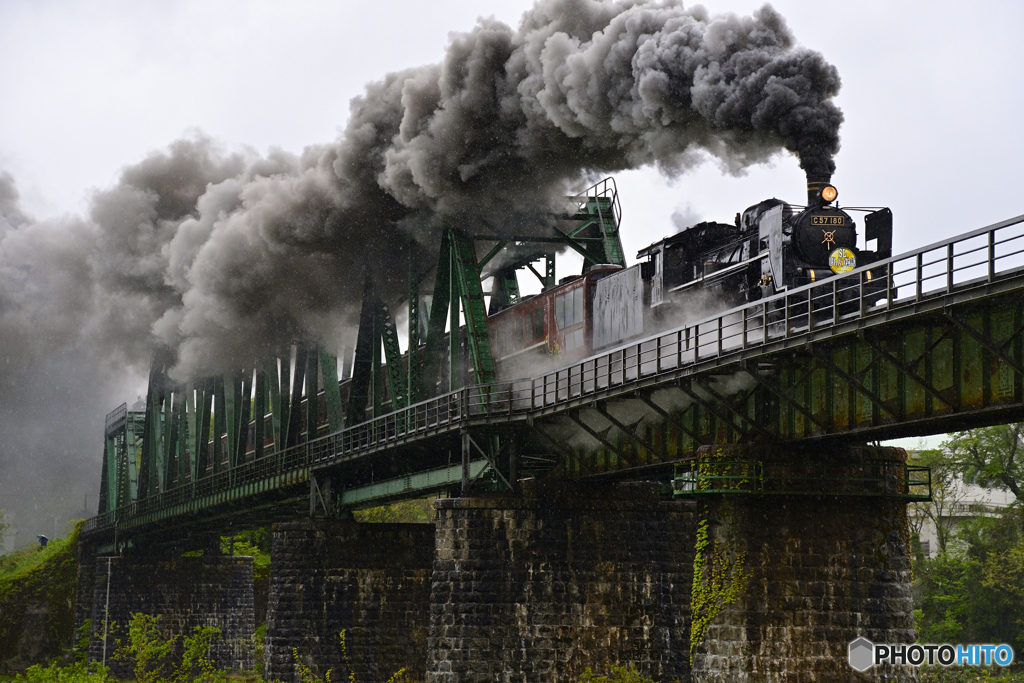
<point x="772" y="246"/>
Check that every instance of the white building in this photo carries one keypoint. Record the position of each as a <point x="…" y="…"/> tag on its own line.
<point x="968" y="501"/>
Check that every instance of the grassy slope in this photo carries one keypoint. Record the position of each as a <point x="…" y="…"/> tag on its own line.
<point x="39" y="578"/>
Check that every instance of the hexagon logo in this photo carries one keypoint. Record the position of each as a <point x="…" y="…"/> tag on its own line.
<point x="862" y="654"/>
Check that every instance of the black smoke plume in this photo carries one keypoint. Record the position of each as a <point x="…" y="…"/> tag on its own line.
<point x="227" y="258"/>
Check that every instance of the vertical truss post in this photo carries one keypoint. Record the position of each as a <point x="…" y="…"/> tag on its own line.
<point x="412" y="389"/>
<point x="332" y="394"/>
<point x="439" y="305"/>
<point x="312" y="392"/>
<point x="454" y="329"/>
<point x="203" y="437"/>
<point x="109" y="479"/>
<point x="376" y="379"/>
<point x="192" y="393"/>
<point x="166" y="458"/>
<point x="151" y="469"/>
<point x="132" y="453"/>
<point x="362" y="368"/>
<point x="180" y="436"/>
<point x="274" y="397"/>
<point x="392" y="356"/>
<point x="244" y="408"/>
<point x="284" y="388"/>
<point x="471" y="292"/>
<point x="237" y="401"/>
<point x="504" y="290"/>
<point x="259" y="412"/>
<point x="220" y="422"/>
<point x="295" y="399"/>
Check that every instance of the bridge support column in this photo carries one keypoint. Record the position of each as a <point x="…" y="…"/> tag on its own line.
<point x="184" y="592"/>
<point x="798" y="553"/>
<point x="372" y="580"/>
<point x="566" y="577"/>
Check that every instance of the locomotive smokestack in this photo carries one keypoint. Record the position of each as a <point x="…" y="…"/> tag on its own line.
<point x="815" y="183"/>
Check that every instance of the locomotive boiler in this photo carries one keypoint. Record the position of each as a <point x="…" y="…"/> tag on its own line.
<point x="771" y="247"/>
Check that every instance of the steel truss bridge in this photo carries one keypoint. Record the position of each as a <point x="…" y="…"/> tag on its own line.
<point x="939" y="348"/>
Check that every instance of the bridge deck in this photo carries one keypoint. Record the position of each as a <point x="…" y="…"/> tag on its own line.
<point x="937" y="346"/>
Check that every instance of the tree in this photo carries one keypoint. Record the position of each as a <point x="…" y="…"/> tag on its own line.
<point x="993" y="457"/>
<point x="975" y="595"/>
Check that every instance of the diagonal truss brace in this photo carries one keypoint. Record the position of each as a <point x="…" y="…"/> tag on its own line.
<point x="910" y="373"/>
<point x="996" y="351"/>
<point x="784" y="396"/>
<point x="629" y="431"/>
<point x="649" y="402"/>
<point x="578" y="421"/>
<point x="490" y="461"/>
<point x="710" y="407"/>
<point x="855" y="382"/>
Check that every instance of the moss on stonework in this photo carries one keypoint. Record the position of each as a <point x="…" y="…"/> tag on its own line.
<point x="37" y="600"/>
<point x="718" y="580"/>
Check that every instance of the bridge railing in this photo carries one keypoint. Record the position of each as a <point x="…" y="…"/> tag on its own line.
<point x="979" y="256"/>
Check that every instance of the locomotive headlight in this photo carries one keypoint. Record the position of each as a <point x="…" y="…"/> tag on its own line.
<point x="829" y="193"/>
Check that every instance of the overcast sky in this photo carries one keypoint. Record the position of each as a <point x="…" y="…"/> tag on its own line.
<point x="932" y="95"/>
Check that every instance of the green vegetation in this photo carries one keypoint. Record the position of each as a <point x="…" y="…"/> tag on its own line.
<point x="308" y="676"/>
<point x="156" y="658"/>
<point x="56" y="672"/>
<point x="37" y="600"/>
<point x="718" y="580"/>
<point x="420" y="511"/>
<point x="992" y="456"/>
<point x="153" y="656"/>
<point x="974" y="593"/>
<point x="254" y="543"/>
<point x="973" y="590"/>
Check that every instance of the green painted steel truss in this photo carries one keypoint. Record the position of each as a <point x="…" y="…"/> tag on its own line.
<point x="937" y="345"/>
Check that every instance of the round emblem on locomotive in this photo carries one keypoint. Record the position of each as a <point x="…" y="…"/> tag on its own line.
<point x="842" y="260"/>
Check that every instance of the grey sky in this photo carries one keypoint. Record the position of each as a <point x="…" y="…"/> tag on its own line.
<point x="932" y="96"/>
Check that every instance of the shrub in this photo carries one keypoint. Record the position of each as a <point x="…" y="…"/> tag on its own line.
<point x="154" y="655"/>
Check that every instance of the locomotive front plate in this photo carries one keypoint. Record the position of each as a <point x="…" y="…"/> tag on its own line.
<point x="828" y="220"/>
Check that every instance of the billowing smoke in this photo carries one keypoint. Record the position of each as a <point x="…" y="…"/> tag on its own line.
<point x="228" y="257"/>
<point x="264" y="251"/>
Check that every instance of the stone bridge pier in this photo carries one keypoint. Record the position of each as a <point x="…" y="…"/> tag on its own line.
<point x="534" y="587"/>
<point x="799" y="552"/>
<point x="564" y="577"/>
<point x="371" y="580"/>
<point x="773" y="563"/>
<point x="184" y="592"/>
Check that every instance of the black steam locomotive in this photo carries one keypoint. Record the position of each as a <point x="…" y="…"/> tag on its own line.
<point x="771" y="247"/>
